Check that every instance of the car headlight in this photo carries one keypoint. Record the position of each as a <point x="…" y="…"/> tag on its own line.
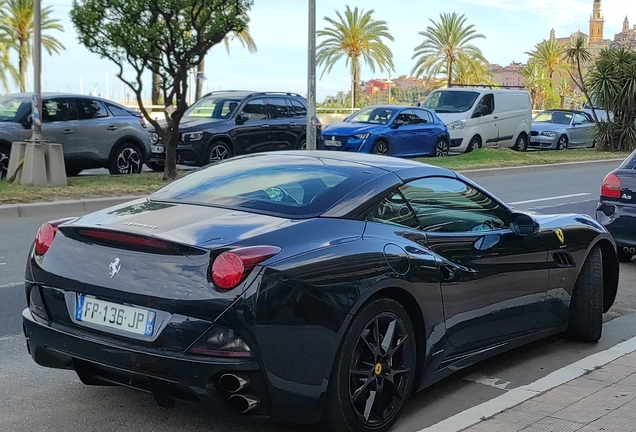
<point x="457" y="125"/>
<point x="154" y="138"/>
<point x="549" y="134"/>
<point x="192" y="136"/>
<point x="362" y="136"/>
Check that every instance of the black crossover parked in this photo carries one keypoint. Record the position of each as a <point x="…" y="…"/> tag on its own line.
<point x="229" y="123"/>
<point x="617" y="207"/>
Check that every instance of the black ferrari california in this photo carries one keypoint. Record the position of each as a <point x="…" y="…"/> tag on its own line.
<point x="309" y="287"/>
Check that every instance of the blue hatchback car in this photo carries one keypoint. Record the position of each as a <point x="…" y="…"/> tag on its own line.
<point x="389" y="130"/>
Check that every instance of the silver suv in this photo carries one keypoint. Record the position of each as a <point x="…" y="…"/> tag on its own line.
<point x="94" y="132"/>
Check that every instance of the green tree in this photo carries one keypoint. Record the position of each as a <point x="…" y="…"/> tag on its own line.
<point x="166" y="38"/>
<point x="6" y="68"/>
<point x="536" y="83"/>
<point x="16" y="21"/>
<point x="612" y="82"/>
<point x="577" y="55"/>
<point x="356" y="36"/>
<point x="549" y="56"/>
<point x="470" y="70"/>
<point x="447" y="43"/>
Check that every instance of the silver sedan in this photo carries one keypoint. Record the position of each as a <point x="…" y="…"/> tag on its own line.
<point x="562" y="129"/>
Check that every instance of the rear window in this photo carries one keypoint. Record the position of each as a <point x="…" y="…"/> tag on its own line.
<point x="630" y="162"/>
<point x="282" y="185"/>
<point x="9" y="107"/>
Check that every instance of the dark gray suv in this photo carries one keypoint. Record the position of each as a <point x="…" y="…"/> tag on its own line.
<point x="94" y="132"/>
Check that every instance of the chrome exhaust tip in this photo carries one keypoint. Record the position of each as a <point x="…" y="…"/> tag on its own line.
<point x="242" y="403"/>
<point x="632" y="250"/>
<point x="232" y="383"/>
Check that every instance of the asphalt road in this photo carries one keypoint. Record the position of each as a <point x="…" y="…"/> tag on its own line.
<point x="37" y="399"/>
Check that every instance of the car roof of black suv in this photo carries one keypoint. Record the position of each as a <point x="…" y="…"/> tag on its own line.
<point x="246" y="93"/>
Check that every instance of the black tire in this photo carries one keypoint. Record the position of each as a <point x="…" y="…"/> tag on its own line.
<point x="624" y="256"/>
<point x="217" y="151"/>
<point x="380" y="147"/>
<point x="5" y="152"/>
<point x="586" y="306"/>
<point x="155" y="166"/>
<point x="72" y="171"/>
<point x="521" y="144"/>
<point x="562" y="143"/>
<point x="475" y="143"/>
<point x="372" y="378"/>
<point x="127" y="159"/>
<point x="441" y="148"/>
<point x="302" y="144"/>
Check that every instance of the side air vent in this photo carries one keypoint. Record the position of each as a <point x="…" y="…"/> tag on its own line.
<point x="563" y="259"/>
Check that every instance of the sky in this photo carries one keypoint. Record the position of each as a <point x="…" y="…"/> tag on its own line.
<point x="279" y="28"/>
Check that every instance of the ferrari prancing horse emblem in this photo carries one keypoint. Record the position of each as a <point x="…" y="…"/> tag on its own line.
<point x="114" y="267"/>
<point x="559" y="234"/>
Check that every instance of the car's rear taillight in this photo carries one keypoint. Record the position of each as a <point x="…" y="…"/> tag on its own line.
<point x="230" y="268"/>
<point x="142" y="121"/>
<point x="318" y="124"/>
<point x="46" y="234"/>
<point x="611" y="187"/>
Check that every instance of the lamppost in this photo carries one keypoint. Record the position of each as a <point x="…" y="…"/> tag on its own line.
<point x="311" y="77"/>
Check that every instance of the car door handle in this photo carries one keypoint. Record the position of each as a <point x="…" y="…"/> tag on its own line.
<point x="446" y="272"/>
<point x="265" y="126"/>
<point x="67" y="131"/>
<point x="496" y="118"/>
<point x="112" y="128"/>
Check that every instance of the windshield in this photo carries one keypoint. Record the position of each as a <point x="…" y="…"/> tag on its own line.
<point x="373" y="115"/>
<point x="9" y="107"/>
<point x="213" y="108"/>
<point x="447" y="101"/>
<point x="283" y="185"/>
<point x="557" y="117"/>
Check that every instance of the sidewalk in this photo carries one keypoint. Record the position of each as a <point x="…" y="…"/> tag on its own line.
<point x="602" y="399"/>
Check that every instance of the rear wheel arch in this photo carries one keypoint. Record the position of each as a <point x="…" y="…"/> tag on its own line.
<point x="610" y="272"/>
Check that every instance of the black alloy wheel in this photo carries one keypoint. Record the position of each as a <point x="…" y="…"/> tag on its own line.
<point x="380" y="148"/>
<point x="441" y="148"/>
<point x="522" y="143"/>
<point x="374" y="370"/>
<point x="562" y="144"/>
<point x="4" y="162"/>
<point x="218" y="151"/>
<point x="302" y="145"/>
<point x="127" y="160"/>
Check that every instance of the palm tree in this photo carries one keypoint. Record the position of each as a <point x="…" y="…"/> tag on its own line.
<point x="356" y="36"/>
<point x="445" y="44"/>
<point x="578" y="55"/>
<point x="246" y="41"/>
<point x="470" y="70"/>
<point x="536" y="83"/>
<point x="549" y="56"/>
<point x="5" y="62"/>
<point x="16" y="19"/>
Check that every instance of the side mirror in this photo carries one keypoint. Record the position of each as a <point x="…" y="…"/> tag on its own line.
<point x="27" y="122"/>
<point x="398" y="123"/>
<point x="242" y="118"/>
<point x="523" y="224"/>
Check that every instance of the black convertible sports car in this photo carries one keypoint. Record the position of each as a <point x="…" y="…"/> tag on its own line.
<point x="309" y="286"/>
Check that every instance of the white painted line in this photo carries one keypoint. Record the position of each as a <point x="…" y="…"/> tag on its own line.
<point x="6" y="338"/>
<point x="550" y="198"/>
<point x="12" y="285"/>
<point x="487" y="380"/>
<point x="521" y="394"/>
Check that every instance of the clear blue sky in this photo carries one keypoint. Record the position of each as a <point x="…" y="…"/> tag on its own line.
<point x="279" y="28"/>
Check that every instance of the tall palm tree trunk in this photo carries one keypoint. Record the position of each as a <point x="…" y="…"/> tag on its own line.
<point x="450" y="72"/>
<point x="23" y="64"/>
<point x="199" y="82"/>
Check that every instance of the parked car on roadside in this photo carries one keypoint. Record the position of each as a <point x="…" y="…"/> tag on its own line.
<point x="308" y="286"/>
<point x="560" y="129"/>
<point x="230" y="123"/>
<point x="617" y="207"/>
<point x="94" y="132"/>
<point x="483" y="117"/>
<point x="390" y="130"/>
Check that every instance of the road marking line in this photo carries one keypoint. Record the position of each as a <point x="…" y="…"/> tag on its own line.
<point x="12" y="285"/>
<point x="489" y="381"/>
<point x="550" y="198"/>
<point x="6" y="338"/>
<point x="521" y="394"/>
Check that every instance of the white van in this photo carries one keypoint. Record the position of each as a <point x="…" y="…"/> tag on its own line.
<point x="478" y="117"/>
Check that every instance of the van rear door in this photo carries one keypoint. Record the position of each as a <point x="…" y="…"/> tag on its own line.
<point x="514" y="115"/>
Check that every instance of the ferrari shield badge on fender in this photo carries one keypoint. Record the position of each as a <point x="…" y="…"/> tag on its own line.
<point x="114" y="267"/>
<point x="559" y="234"/>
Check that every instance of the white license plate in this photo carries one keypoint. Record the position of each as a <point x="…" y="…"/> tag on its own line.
<point x="332" y="143"/>
<point x="128" y="318"/>
<point x="156" y="149"/>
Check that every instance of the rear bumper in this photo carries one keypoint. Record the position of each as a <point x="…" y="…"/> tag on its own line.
<point x="168" y="377"/>
<point x="620" y="221"/>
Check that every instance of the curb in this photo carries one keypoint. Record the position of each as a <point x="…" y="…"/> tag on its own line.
<point x="94" y="204"/>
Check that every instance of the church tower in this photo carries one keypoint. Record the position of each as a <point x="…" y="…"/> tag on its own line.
<point x="626" y="25"/>
<point x="597" y="22"/>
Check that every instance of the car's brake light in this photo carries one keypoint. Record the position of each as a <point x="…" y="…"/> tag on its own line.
<point x="611" y="187"/>
<point x="46" y="234"/>
<point x="230" y="268"/>
<point x="125" y="239"/>
<point x="318" y="124"/>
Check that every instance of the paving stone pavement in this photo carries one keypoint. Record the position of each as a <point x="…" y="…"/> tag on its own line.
<point x="602" y="399"/>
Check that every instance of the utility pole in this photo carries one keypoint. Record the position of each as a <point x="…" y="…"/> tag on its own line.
<point x="36" y="161"/>
<point x="311" y="78"/>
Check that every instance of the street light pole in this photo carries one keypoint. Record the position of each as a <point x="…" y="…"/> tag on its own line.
<point x="311" y="78"/>
<point x="36" y="102"/>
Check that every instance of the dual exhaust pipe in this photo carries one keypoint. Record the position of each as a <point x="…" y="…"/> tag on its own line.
<point x="232" y="383"/>
<point x="631" y="250"/>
